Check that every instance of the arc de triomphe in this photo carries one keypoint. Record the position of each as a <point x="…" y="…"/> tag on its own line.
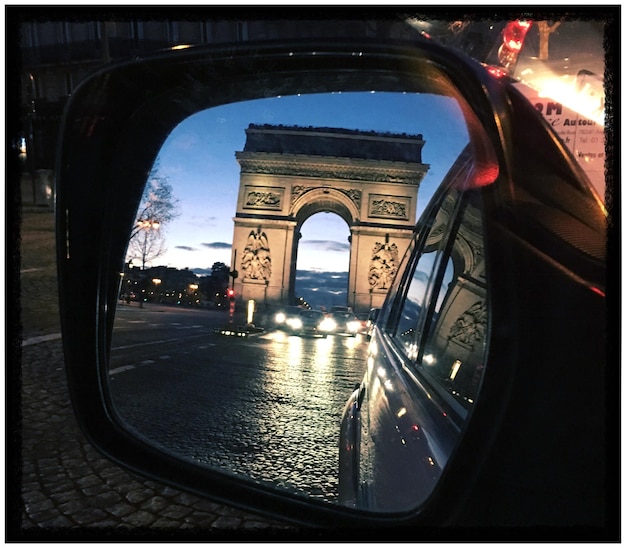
<point x="289" y="173"/>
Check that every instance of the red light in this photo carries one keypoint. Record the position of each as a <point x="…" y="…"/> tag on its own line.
<point x="514" y="34"/>
<point x="598" y="291"/>
<point x="494" y="71"/>
<point x="231" y="292"/>
<point x="485" y="174"/>
<point x="512" y="41"/>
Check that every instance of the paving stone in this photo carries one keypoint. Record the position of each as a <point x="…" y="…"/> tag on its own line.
<point x="41" y="516"/>
<point x="227" y="522"/>
<point x="88" y="516"/>
<point x="140" y="519"/>
<point x="57" y="522"/>
<point x="175" y="511"/>
<point x="139" y="495"/>
<point x="121" y="509"/>
<point x="155" y="504"/>
<point x="72" y="507"/>
<point x="166" y="523"/>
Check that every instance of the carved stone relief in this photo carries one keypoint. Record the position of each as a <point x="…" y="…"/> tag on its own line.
<point x="256" y="263"/>
<point x="299" y="190"/>
<point x="469" y="328"/>
<point x="383" y="265"/>
<point x="383" y="174"/>
<point x="263" y="198"/>
<point x="388" y="206"/>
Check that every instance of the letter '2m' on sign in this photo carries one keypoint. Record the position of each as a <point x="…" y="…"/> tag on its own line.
<point x="551" y="108"/>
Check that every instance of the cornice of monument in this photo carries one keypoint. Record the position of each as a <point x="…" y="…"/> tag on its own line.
<point x="326" y="167"/>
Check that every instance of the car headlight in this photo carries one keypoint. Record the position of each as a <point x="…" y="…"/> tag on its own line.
<point x="328" y="324"/>
<point x="295" y="323"/>
<point x="280" y="317"/>
<point x="353" y="326"/>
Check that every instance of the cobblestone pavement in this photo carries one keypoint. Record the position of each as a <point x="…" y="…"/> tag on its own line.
<point x="69" y="489"/>
<point x="60" y="487"/>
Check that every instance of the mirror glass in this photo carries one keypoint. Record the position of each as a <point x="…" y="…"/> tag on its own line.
<point x="254" y="212"/>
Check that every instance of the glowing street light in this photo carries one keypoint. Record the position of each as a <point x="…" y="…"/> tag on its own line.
<point x="148" y="224"/>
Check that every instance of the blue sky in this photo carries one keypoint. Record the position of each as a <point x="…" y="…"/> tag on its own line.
<point x="198" y="158"/>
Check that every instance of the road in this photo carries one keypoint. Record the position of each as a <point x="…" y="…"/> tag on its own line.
<point x="266" y="407"/>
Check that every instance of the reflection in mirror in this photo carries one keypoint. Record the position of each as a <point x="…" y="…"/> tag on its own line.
<point x="203" y="364"/>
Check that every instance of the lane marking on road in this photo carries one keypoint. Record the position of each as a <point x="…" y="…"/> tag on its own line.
<point x="163" y="341"/>
<point x="121" y="369"/>
<point x="40" y="339"/>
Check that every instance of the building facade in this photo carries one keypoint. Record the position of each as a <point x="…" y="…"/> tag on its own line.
<point x="371" y="180"/>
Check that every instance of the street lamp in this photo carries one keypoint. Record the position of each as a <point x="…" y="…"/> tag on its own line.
<point x="148" y="224"/>
<point x="156" y="282"/>
<point x="193" y="292"/>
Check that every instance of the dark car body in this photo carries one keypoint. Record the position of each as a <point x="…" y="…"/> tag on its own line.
<point x="309" y="322"/>
<point x="480" y="288"/>
<point x="345" y="323"/>
<point x="285" y="315"/>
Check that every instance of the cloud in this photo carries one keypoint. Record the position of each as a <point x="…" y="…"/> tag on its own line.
<point x="218" y="245"/>
<point x="185" y="248"/>
<point x="185" y="141"/>
<point x="322" y="288"/>
<point x="421" y="276"/>
<point x="201" y="271"/>
<point x="326" y="245"/>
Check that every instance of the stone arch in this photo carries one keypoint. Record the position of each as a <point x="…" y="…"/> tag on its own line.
<point x="323" y="199"/>
<point x="288" y="174"/>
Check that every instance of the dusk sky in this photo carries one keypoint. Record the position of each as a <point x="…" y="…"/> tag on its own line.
<point x="198" y="158"/>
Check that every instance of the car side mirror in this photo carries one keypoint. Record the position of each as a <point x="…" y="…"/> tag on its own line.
<point x="184" y="377"/>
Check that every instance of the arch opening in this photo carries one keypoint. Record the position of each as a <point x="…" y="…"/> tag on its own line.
<point x="323" y="260"/>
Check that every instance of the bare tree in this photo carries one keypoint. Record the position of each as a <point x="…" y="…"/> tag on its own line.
<point x="545" y="30"/>
<point x="158" y="207"/>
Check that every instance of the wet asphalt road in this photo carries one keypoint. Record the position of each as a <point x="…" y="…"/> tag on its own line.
<point x="265" y="407"/>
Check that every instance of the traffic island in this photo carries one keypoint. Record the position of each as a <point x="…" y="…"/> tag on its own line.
<point x="239" y="330"/>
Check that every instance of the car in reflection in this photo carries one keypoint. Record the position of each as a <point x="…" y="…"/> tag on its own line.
<point x="344" y="323"/>
<point x="283" y="317"/>
<point x="340" y="308"/>
<point x="478" y="291"/>
<point x="310" y="322"/>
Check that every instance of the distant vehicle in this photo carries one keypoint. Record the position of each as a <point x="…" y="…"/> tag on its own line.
<point x="282" y="317"/>
<point x="338" y="308"/>
<point x="311" y="322"/>
<point x="345" y="323"/>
